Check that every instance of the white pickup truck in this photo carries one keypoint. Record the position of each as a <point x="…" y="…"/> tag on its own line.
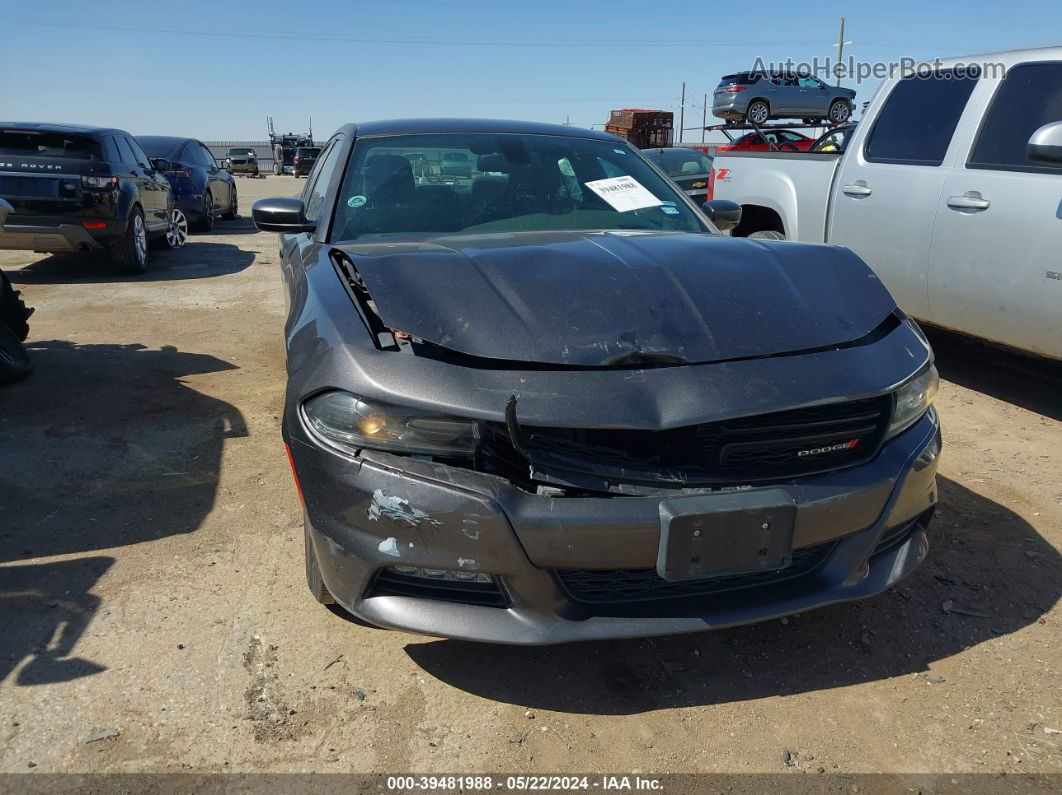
<point x="950" y="188"/>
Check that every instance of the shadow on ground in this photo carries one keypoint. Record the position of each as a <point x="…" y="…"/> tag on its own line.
<point x="1031" y="382"/>
<point x="237" y="226"/>
<point x="198" y="259"/>
<point x="44" y="609"/>
<point x="103" y="446"/>
<point x="983" y="558"/>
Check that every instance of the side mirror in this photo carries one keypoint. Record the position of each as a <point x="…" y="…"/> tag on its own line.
<point x="724" y="213"/>
<point x="287" y="216"/>
<point x="161" y="164"/>
<point x="1045" y="146"/>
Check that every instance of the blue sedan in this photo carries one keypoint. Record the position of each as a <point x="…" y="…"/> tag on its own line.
<point x="204" y="191"/>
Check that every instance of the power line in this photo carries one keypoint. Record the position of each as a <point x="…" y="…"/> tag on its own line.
<point x="431" y="41"/>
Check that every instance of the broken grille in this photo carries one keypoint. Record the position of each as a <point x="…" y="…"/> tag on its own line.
<point x="766" y="447"/>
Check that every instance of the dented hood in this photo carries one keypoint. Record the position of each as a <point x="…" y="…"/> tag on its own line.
<point x="613" y="298"/>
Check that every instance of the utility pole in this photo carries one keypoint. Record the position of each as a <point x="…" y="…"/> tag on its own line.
<point x="682" y="113"/>
<point x="704" y="117"/>
<point x="840" y="52"/>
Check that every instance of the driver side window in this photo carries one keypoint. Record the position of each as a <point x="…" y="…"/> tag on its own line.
<point x="318" y="182"/>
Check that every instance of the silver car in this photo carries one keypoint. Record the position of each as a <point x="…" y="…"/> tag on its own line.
<point x="242" y="160"/>
<point x="760" y="96"/>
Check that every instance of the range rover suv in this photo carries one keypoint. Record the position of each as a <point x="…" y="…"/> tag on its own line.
<point x="74" y="188"/>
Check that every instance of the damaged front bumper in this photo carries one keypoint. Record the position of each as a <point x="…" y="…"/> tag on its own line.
<point x="582" y="568"/>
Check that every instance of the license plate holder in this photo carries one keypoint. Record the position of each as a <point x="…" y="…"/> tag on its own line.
<point x="713" y="535"/>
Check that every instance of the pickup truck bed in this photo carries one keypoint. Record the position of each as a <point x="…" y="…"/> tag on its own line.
<point x="778" y="191"/>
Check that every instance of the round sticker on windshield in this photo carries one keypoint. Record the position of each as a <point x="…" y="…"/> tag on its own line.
<point x="356" y="201"/>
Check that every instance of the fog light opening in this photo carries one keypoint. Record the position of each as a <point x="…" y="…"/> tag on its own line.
<point x="441" y="574"/>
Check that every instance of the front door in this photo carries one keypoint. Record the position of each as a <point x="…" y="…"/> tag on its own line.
<point x="997" y="244"/>
<point x="889" y="186"/>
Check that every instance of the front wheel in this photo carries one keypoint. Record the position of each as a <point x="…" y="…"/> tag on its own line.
<point x="234" y="210"/>
<point x="313" y="574"/>
<point x="766" y="234"/>
<point x="840" y="112"/>
<point x="208" y="218"/>
<point x="276" y="170"/>
<point x="129" y="255"/>
<point x="758" y="112"/>
<point x="177" y="232"/>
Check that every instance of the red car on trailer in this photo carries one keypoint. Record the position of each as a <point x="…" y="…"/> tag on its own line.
<point x="782" y="140"/>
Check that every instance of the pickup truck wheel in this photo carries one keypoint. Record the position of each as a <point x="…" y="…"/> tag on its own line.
<point x="758" y="111"/>
<point x="840" y="111"/>
<point x="14" y="361"/>
<point x="129" y="255"/>
<point x="276" y="170"/>
<point x="767" y="234"/>
<point x="313" y="573"/>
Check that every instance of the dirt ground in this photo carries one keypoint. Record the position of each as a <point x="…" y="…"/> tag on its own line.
<point x="154" y="617"/>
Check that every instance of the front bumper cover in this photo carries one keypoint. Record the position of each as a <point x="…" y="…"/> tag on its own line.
<point x="450" y="518"/>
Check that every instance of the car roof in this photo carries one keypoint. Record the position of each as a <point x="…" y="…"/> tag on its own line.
<point x="422" y="126"/>
<point x="163" y="139"/>
<point x="57" y="127"/>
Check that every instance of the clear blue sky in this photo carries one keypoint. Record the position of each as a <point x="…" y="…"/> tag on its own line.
<point x="215" y="70"/>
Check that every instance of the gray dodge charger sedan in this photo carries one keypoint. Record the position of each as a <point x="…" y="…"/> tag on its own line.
<point x="550" y="402"/>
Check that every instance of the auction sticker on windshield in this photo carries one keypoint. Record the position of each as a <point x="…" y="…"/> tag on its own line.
<point x="624" y="193"/>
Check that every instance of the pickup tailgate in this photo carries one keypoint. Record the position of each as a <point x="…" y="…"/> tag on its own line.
<point x="793" y="187"/>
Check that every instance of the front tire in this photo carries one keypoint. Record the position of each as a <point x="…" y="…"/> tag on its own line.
<point x="276" y="170"/>
<point x="313" y="573"/>
<point x="840" y="112"/>
<point x="209" y="219"/>
<point x="766" y="234"/>
<point x="130" y="254"/>
<point x="177" y="232"/>
<point x="758" y="111"/>
<point x="234" y="210"/>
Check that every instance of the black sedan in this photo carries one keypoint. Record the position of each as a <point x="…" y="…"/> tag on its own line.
<point x="552" y="403"/>
<point x="204" y="191"/>
<point x="688" y="167"/>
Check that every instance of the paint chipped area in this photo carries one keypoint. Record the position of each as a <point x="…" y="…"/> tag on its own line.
<point x="466" y="563"/>
<point x="398" y="510"/>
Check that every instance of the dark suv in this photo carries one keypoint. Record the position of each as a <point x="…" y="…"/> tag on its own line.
<point x="74" y="188"/>
<point x="305" y="157"/>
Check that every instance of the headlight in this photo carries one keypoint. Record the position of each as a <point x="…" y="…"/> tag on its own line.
<point x="351" y="421"/>
<point x="913" y="399"/>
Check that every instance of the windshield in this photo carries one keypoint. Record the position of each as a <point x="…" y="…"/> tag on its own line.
<point x="48" y="144"/>
<point x="515" y="183"/>
<point x="241" y="152"/>
<point x="681" y="162"/>
<point x="307" y="152"/>
<point x="833" y="142"/>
